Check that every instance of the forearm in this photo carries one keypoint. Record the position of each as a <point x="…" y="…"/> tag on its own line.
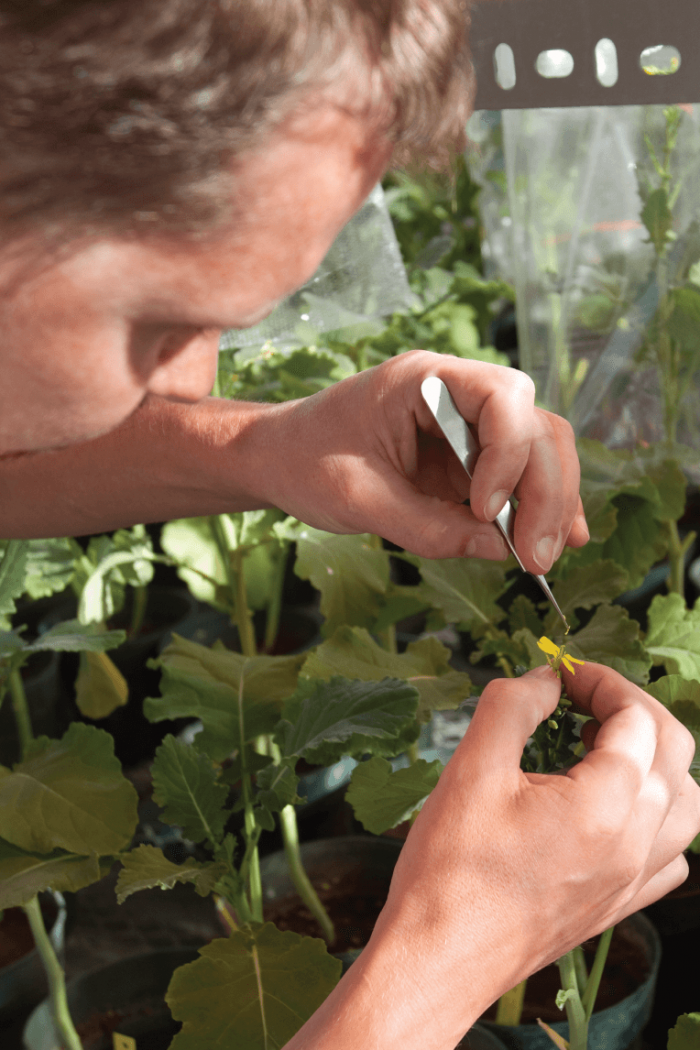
<point x="382" y="1003"/>
<point x="166" y="461"/>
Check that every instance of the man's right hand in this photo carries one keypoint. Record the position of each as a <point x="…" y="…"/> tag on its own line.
<point x="505" y="871"/>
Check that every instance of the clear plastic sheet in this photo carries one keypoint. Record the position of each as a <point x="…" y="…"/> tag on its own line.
<point x="361" y="280"/>
<point x="561" y="211"/>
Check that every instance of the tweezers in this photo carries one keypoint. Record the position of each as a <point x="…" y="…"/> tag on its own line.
<point x="456" y="430"/>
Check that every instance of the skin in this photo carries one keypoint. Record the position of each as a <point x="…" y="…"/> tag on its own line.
<point x="107" y="358"/>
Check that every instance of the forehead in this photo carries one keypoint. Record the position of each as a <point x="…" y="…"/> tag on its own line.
<point x="289" y="198"/>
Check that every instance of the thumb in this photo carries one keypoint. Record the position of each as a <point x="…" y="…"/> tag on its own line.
<point x="507" y="714"/>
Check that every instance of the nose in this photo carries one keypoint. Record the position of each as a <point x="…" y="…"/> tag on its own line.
<point x="186" y="365"/>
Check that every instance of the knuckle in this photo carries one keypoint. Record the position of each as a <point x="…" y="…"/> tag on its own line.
<point x="522" y="384"/>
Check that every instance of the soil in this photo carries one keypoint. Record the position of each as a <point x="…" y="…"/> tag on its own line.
<point x="15" y="934"/>
<point x="626" y="968"/>
<point x="149" y="1022"/>
<point x="352" y="906"/>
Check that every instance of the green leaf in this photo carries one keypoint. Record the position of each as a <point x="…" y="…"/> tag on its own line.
<point x="109" y="565"/>
<point x="50" y="566"/>
<point x="522" y="613"/>
<point x="190" y="542"/>
<point x="324" y="721"/>
<point x="185" y="785"/>
<point x="586" y="587"/>
<point x="24" y="874"/>
<point x="351" y="574"/>
<point x="465" y="591"/>
<point x="637" y="541"/>
<point x="382" y="799"/>
<point x="685" y="1034"/>
<point x="12" y="571"/>
<point x="684" y="321"/>
<point x="258" y="986"/>
<point x="353" y="653"/>
<point x="72" y="636"/>
<point x="70" y="794"/>
<point x="658" y="219"/>
<point x="612" y="638"/>
<point x="673" y="689"/>
<point x="682" y="697"/>
<point x="100" y="687"/>
<point x="205" y="683"/>
<point x="146" y="867"/>
<point x="277" y="787"/>
<point x="673" y="637"/>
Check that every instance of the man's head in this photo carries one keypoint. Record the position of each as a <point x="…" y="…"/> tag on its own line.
<point x="172" y="167"/>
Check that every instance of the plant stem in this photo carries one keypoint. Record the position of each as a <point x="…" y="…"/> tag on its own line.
<point x="677" y="550"/>
<point x="290" y="836"/>
<point x="139" y="610"/>
<point x="21" y="710"/>
<point x="510" y="1006"/>
<point x="591" y="990"/>
<point x="244" y="620"/>
<point x="576" y="1015"/>
<point x="57" y="982"/>
<point x="274" y="607"/>
<point x="250" y="867"/>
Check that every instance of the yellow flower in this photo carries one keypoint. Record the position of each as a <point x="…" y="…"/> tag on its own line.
<point x="557" y="655"/>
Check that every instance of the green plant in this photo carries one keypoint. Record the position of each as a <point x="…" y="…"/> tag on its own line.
<point x="66" y="810"/>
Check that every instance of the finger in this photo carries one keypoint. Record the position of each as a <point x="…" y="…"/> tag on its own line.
<point x="589" y="731"/>
<point x="668" y="878"/>
<point x="679" y="829"/>
<point x="635" y="739"/>
<point x="507" y="714"/>
<point x="548" y="492"/>
<point x="578" y="534"/>
<point x="422" y="524"/>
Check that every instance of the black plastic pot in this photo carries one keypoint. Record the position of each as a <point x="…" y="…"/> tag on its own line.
<point x="133" y="988"/>
<point x="614" y="1028"/>
<point x="23" y="982"/>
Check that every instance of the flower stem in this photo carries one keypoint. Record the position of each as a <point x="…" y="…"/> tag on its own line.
<point x="21" y="710"/>
<point x="251" y="864"/>
<point x="57" y="982"/>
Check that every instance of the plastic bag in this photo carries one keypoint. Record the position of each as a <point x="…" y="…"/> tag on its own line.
<point x="563" y="200"/>
<point x="361" y="280"/>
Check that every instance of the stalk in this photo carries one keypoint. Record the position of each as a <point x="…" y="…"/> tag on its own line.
<point x="576" y="1015"/>
<point x="591" y="990"/>
<point x="290" y="838"/>
<point x="21" y="710"/>
<point x="290" y="835"/>
<point x="57" y="982"/>
<point x="139" y="610"/>
<point x="510" y="1006"/>
<point x="274" y="607"/>
<point x="251" y="863"/>
<point x="244" y="620"/>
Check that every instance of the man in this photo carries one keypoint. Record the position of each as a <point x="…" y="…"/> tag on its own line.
<point x="170" y="168"/>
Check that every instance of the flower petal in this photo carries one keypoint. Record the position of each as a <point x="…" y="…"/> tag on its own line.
<point x="548" y="646"/>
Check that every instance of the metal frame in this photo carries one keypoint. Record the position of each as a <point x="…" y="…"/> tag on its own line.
<point x="532" y="26"/>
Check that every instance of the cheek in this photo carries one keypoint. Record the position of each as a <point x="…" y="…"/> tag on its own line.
<point x="58" y="393"/>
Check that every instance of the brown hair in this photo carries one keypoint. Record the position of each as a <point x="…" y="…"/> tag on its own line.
<point x="121" y="115"/>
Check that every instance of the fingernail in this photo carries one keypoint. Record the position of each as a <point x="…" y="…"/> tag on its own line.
<point x="491" y="547"/>
<point x="545" y="671"/>
<point x="544" y="553"/>
<point x="495" y="504"/>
